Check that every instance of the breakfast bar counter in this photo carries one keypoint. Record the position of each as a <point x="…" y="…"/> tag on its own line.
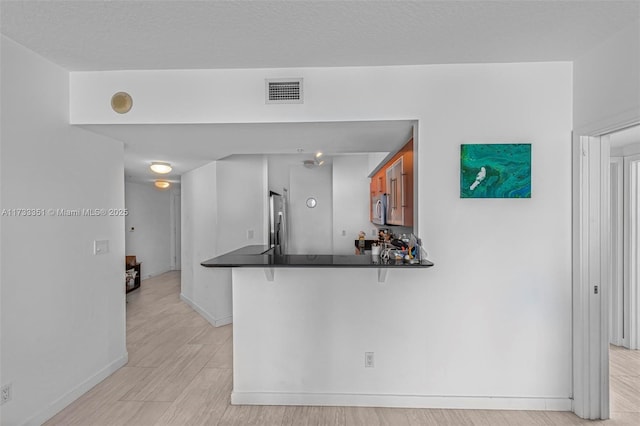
<point x="263" y="257"/>
<point x="303" y="323"/>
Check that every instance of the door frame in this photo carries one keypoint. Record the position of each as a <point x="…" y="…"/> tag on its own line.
<point x="591" y="263"/>
<point x="590" y="272"/>
<point x="176" y="230"/>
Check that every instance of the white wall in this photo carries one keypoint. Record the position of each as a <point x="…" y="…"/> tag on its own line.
<point x="606" y="83"/>
<point x="63" y="309"/>
<point x="278" y="169"/>
<point x="150" y="217"/>
<point x="324" y="320"/>
<point x="220" y="202"/>
<point x="199" y="229"/>
<point x="310" y="229"/>
<point x="242" y="201"/>
<point x="375" y="158"/>
<point x="350" y="201"/>
<point x="493" y="317"/>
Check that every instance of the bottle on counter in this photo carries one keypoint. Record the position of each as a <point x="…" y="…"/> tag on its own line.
<point x="418" y="247"/>
<point x="361" y="242"/>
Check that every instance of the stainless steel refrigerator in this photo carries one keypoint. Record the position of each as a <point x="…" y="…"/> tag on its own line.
<point x="278" y="222"/>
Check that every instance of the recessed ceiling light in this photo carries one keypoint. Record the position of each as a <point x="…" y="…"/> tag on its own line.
<point x="162" y="184"/>
<point x="161" y="167"/>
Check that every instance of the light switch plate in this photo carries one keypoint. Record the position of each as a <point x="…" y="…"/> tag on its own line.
<point x="100" y="247"/>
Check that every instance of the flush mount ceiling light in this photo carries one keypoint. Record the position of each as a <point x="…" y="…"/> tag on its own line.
<point x="121" y="102"/>
<point x="162" y="184"/>
<point x="161" y="167"/>
<point x="315" y="162"/>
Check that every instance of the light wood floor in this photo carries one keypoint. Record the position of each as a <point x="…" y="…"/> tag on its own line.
<point x="179" y="373"/>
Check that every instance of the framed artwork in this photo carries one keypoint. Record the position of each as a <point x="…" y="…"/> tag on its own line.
<point x="495" y="170"/>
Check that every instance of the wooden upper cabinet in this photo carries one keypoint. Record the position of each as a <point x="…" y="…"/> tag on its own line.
<point x="399" y="187"/>
<point x="395" y="179"/>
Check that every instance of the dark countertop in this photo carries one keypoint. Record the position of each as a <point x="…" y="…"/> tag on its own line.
<point x="261" y="256"/>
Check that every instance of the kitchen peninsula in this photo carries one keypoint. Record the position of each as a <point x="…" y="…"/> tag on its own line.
<point x="264" y="256"/>
<point x="304" y="326"/>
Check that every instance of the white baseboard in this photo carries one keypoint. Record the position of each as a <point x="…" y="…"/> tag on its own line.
<point x="224" y="321"/>
<point x="58" y="405"/>
<point x="401" y="401"/>
<point x="154" y="274"/>
<point x="216" y="322"/>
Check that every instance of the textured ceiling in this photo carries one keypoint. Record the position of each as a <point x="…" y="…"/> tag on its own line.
<point x="126" y="35"/>
<point x="113" y="35"/>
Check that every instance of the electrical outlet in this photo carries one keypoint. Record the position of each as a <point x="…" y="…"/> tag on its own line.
<point x="5" y="394"/>
<point x="368" y="359"/>
<point x="250" y="234"/>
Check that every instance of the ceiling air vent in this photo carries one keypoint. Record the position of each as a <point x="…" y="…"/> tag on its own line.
<point x="283" y="91"/>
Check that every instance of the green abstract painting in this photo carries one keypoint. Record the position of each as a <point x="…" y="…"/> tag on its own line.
<point x="495" y="170"/>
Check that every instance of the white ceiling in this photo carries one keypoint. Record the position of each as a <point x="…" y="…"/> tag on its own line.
<point x="116" y="35"/>
<point x="127" y="34"/>
<point x="188" y="146"/>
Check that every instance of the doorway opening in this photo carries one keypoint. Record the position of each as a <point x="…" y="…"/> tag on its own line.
<point x="624" y="315"/>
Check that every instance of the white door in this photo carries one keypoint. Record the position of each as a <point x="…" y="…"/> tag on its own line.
<point x="176" y="232"/>
<point x="178" y="227"/>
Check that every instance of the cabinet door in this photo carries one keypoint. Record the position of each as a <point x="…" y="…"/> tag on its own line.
<point x="395" y="210"/>
<point x="407" y="188"/>
<point x="381" y="182"/>
<point x="373" y="191"/>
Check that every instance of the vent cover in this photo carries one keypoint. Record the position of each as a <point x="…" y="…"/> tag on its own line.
<point x="283" y="91"/>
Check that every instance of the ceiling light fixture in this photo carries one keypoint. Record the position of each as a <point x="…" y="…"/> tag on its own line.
<point x="318" y="154"/>
<point x="162" y="184"/>
<point x="161" y="167"/>
<point x="313" y="163"/>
